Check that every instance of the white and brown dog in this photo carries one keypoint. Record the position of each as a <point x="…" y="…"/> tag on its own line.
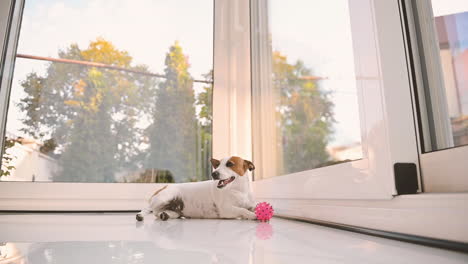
<point x="228" y="195"/>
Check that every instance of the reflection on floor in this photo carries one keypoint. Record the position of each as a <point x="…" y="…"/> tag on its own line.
<point x="118" y="238"/>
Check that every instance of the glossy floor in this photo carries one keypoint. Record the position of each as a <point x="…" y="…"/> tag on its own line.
<point x="118" y="238"/>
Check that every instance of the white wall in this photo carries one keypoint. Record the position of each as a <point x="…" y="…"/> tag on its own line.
<point x="30" y="163"/>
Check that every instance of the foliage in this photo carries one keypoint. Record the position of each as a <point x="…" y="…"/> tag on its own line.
<point x="204" y="101"/>
<point x="305" y="113"/>
<point x="101" y="122"/>
<point x="173" y="134"/>
<point x="88" y="115"/>
<point x="7" y="158"/>
<point x="48" y="147"/>
<point x="153" y="176"/>
<point x="90" y="118"/>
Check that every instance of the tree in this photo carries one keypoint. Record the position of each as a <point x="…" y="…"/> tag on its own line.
<point x="305" y="115"/>
<point x="6" y="167"/>
<point x="205" y="118"/>
<point x="173" y="133"/>
<point x="88" y="116"/>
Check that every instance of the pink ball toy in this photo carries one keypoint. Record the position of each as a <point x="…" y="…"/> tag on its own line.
<point x="264" y="211"/>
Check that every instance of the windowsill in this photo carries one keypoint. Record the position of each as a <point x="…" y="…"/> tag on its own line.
<point x="441" y="216"/>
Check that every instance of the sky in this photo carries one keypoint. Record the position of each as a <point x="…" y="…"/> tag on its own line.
<point x="145" y="28"/>
<point x="317" y="32"/>
<point x="448" y="7"/>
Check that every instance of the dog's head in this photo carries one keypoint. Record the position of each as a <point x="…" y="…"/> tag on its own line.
<point x="230" y="169"/>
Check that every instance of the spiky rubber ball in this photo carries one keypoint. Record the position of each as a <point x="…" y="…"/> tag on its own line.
<point x="264" y="211"/>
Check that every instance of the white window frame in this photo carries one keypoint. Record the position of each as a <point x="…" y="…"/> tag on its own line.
<point x="231" y="97"/>
<point x="384" y="96"/>
<point x="445" y="171"/>
<point x="231" y="79"/>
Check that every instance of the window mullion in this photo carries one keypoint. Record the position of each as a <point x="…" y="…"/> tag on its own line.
<point x="231" y="92"/>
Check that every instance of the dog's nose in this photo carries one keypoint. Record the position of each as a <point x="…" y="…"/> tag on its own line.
<point x="215" y="175"/>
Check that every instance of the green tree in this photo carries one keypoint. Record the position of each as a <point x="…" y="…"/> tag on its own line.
<point x="6" y="167"/>
<point x="88" y="116"/>
<point x="173" y="133"/>
<point x="205" y="118"/>
<point x="305" y="113"/>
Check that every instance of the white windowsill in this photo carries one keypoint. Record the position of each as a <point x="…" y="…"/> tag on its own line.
<point x="442" y="216"/>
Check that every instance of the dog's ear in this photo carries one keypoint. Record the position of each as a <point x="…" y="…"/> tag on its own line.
<point x="215" y="163"/>
<point x="248" y="165"/>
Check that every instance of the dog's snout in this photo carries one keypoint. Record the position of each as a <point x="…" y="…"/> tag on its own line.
<point x="215" y="175"/>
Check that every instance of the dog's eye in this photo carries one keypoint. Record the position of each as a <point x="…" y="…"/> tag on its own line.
<point x="229" y="164"/>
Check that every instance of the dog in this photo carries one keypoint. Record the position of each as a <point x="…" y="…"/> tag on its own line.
<point x="227" y="195"/>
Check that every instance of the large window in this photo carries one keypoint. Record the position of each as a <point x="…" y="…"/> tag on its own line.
<point x="324" y="94"/>
<point x="111" y="91"/>
<point x="304" y="93"/>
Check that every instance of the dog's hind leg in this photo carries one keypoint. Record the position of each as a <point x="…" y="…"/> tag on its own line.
<point x="169" y="209"/>
<point x="141" y="215"/>
<point x="167" y="214"/>
<point x="155" y="203"/>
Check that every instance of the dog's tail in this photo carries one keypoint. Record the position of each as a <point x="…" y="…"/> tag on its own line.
<point x="141" y="215"/>
<point x="156" y="192"/>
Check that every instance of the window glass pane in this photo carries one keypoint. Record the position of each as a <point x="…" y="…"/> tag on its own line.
<point x="305" y="102"/>
<point x="111" y="91"/>
<point x="451" y="25"/>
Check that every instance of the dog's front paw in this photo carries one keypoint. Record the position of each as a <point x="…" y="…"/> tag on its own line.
<point x="250" y="216"/>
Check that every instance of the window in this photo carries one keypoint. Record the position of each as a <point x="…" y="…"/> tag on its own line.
<point x="304" y="93"/>
<point x="330" y="99"/>
<point x="107" y="91"/>
<point x="360" y="192"/>
<point x="282" y="82"/>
